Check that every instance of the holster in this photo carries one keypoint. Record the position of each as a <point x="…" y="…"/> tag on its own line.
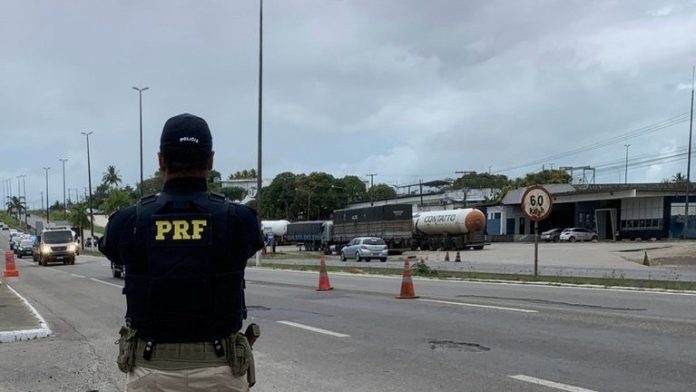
<point x="127" y="347"/>
<point x="240" y="358"/>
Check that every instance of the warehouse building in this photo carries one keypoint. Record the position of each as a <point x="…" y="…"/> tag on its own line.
<point x="615" y="211"/>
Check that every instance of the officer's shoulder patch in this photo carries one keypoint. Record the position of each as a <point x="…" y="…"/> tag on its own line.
<point x="218" y="197"/>
<point x="148" y="199"/>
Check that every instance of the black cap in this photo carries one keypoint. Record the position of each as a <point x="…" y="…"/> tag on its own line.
<point x="186" y="130"/>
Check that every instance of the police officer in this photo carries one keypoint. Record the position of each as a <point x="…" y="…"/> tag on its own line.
<point x="184" y="251"/>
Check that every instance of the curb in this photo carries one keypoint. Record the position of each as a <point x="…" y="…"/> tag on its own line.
<point x="26" y="334"/>
<point x="510" y="282"/>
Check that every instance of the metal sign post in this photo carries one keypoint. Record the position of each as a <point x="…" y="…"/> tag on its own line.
<point x="537" y="204"/>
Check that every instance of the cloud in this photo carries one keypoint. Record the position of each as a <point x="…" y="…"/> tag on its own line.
<point x="402" y="88"/>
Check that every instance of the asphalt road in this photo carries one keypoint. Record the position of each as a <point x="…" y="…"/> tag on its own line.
<point x="458" y="336"/>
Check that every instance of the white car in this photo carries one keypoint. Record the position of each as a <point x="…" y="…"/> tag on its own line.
<point x="365" y="248"/>
<point x="578" y="234"/>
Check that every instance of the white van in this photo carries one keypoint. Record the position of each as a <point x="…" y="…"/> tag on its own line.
<point x="55" y="244"/>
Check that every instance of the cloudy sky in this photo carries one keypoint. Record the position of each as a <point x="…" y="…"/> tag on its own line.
<point x="407" y="89"/>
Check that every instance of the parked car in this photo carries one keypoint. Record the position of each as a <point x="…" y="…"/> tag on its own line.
<point x="365" y="248"/>
<point x="578" y="234"/>
<point x="24" y="247"/>
<point x="552" y="235"/>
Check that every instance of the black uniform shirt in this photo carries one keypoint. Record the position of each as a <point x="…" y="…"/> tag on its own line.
<point x="121" y="223"/>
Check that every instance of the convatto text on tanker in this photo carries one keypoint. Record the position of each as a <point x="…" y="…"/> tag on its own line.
<point x="440" y="219"/>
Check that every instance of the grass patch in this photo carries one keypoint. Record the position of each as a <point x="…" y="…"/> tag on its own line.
<point x="424" y="270"/>
<point x="291" y="256"/>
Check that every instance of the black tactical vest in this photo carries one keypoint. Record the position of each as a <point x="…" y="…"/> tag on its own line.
<point x="185" y="281"/>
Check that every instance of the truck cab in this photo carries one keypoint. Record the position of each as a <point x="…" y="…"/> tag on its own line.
<point x="55" y="244"/>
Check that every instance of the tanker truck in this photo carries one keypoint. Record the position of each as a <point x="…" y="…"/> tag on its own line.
<point x="391" y="222"/>
<point x="277" y="228"/>
<point x="457" y="229"/>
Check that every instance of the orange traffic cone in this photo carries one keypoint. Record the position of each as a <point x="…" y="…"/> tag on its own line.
<point x="324" y="283"/>
<point x="458" y="258"/>
<point x="10" y="270"/>
<point x="407" y="290"/>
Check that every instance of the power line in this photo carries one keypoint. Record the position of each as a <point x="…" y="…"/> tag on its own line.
<point x="644" y="130"/>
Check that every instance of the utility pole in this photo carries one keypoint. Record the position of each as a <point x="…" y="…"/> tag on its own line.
<point x="259" y="177"/>
<point x="372" y="186"/>
<point x="65" y="203"/>
<point x="89" y="181"/>
<point x="140" y="95"/>
<point x="48" y="212"/>
<point x="420" y="182"/>
<point x="626" y="171"/>
<point x="688" y="164"/>
<point x="24" y="185"/>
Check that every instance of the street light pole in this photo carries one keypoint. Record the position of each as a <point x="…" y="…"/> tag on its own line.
<point x="48" y="212"/>
<point x="65" y="204"/>
<point x="24" y="185"/>
<point x="626" y="172"/>
<point x="140" y="99"/>
<point x="688" y="165"/>
<point x="259" y="177"/>
<point x="89" y="183"/>
<point x="19" y="197"/>
<point x="372" y="186"/>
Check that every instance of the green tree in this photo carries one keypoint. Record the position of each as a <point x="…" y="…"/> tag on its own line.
<point x="117" y="199"/>
<point x="79" y="217"/>
<point x="243" y="175"/>
<point x="480" y="180"/>
<point x="382" y="191"/>
<point x="233" y="192"/>
<point x="15" y="206"/>
<point x="352" y="189"/>
<point x="111" y="177"/>
<point x="214" y="176"/>
<point x="543" y="177"/>
<point x="279" y="197"/>
<point x="153" y="184"/>
<point x="678" y="178"/>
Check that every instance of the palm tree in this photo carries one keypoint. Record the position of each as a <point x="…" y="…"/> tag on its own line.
<point x="678" y="178"/>
<point x="111" y="177"/>
<point x="79" y="218"/>
<point x="15" y="206"/>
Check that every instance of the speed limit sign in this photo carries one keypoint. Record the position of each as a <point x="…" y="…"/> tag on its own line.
<point x="537" y="203"/>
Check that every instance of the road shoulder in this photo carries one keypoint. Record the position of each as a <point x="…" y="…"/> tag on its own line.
<point x="19" y="320"/>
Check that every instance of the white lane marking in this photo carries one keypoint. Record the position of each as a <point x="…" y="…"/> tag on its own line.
<point x="26" y="334"/>
<point x="110" y="284"/>
<point x="550" y="384"/>
<point x="479" y="306"/>
<point x="77" y="276"/>
<point x="314" y="329"/>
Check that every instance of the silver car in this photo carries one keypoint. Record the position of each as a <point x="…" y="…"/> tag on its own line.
<point x="365" y="248"/>
<point x="578" y="234"/>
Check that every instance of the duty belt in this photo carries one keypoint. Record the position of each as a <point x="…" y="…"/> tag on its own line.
<point x="178" y="356"/>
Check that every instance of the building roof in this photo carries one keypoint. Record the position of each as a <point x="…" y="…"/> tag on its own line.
<point x="566" y="193"/>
